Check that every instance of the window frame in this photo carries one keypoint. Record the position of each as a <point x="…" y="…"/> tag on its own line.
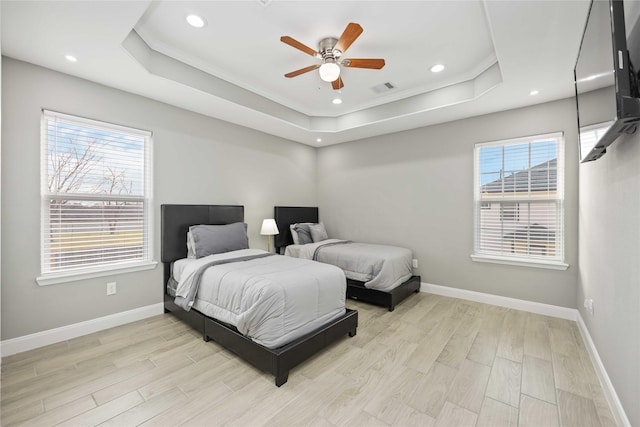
<point x="521" y="260"/>
<point x="91" y="271"/>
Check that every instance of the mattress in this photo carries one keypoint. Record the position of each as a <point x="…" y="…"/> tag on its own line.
<point x="379" y="267"/>
<point x="271" y="299"/>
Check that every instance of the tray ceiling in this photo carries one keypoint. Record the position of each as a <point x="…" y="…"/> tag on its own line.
<point x="495" y="53"/>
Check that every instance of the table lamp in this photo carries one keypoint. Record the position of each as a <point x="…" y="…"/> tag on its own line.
<point x="269" y="228"/>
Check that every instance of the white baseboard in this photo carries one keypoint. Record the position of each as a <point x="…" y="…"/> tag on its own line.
<point x="605" y="382"/>
<point x="518" y="304"/>
<point x="51" y="336"/>
<point x="547" y="310"/>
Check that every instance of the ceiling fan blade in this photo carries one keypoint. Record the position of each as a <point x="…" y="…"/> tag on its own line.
<point x="295" y="43"/>
<point x="363" y="63"/>
<point x="349" y="35"/>
<point x="337" y="84"/>
<point x="302" y="70"/>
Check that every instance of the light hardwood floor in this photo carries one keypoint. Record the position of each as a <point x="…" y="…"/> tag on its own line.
<point x="434" y="361"/>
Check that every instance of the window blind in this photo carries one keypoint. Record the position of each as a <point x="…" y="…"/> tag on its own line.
<point x="519" y="198"/>
<point x="96" y="192"/>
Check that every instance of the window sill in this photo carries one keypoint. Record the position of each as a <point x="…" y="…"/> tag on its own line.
<point x="552" y="265"/>
<point x="55" y="278"/>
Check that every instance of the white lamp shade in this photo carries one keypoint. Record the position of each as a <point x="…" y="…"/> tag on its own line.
<point x="329" y="71"/>
<point x="269" y="227"/>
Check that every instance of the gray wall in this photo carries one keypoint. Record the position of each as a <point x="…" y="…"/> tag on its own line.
<point x="196" y="160"/>
<point x="415" y="188"/>
<point x="609" y="236"/>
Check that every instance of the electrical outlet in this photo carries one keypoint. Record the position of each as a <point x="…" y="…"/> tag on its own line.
<point x="414" y="263"/>
<point x="111" y="288"/>
<point x="588" y="305"/>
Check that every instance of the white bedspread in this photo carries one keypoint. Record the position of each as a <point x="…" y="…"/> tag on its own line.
<point x="273" y="300"/>
<point x="380" y="267"/>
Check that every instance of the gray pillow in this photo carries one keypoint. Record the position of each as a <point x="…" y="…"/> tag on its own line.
<point x="216" y="239"/>
<point x="292" y="227"/>
<point x="304" y="233"/>
<point x="318" y="232"/>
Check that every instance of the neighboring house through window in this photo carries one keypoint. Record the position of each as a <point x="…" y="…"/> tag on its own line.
<point x="96" y="198"/>
<point x="509" y="211"/>
<point x="519" y="201"/>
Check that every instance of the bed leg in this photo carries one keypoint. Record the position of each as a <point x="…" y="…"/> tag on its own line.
<point x="392" y="307"/>
<point x="282" y="378"/>
<point x="352" y="333"/>
<point x="206" y="338"/>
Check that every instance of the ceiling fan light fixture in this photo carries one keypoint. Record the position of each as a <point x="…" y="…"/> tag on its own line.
<point x="330" y="52"/>
<point x="329" y="71"/>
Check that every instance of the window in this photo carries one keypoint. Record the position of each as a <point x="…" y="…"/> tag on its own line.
<point x="522" y="182"/>
<point x="96" y="198"/>
<point x="589" y="136"/>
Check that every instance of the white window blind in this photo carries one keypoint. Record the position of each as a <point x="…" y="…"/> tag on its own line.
<point x="96" y="191"/>
<point x="519" y="198"/>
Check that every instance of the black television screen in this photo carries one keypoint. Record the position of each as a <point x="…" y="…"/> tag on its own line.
<point x="608" y="62"/>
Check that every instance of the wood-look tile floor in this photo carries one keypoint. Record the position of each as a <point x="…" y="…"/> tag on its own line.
<point x="434" y="361"/>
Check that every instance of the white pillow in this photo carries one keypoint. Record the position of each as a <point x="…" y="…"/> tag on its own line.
<point x="190" y="252"/>
<point x="294" y="234"/>
<point x="318" y="232"/>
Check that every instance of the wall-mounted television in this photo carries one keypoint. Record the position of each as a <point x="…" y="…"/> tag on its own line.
<point x="608" y="61"/>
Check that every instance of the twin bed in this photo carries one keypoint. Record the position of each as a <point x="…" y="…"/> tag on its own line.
<point x="376" y="274"/>
<point x="272" y="311"/>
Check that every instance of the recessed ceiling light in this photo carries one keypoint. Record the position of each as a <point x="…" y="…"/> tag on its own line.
<point x="337" y="101"/>
<point x="196" y="21"/>
<point x="71" y="58"/>
<point x="319" y="140"/>
<point x="437" y="68"/>
<point x="534" y="92"/>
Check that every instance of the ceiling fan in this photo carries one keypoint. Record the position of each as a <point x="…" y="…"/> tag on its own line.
<point x="330" y="51"/>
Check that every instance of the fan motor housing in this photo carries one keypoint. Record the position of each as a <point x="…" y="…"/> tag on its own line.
<point x="326" y="46"/>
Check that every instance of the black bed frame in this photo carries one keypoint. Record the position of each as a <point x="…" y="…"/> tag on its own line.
<point x="176" y="220"/>
<point x="287" y="215"/>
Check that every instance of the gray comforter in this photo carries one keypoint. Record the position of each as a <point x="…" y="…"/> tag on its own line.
<point x="380" y="267"/>
<point x="271" y="299"/>
<point x="191" y="284"/>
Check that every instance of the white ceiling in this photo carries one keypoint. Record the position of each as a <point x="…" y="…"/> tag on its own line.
<point x="495" y="54"/>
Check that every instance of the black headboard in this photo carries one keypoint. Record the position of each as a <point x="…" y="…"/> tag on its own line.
<point x="175" y="222"/>
<point x="287" y="215"/>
